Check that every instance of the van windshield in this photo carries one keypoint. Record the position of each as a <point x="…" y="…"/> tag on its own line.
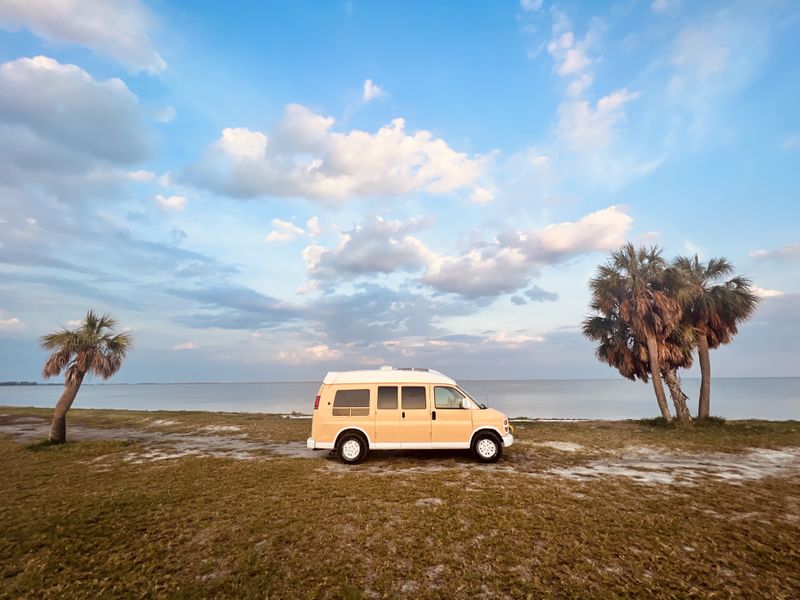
<point x="475" y="403"/>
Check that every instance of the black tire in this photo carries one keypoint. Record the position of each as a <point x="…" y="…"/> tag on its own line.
<point x="481" y="451"/>
<point x="352" y="448"/>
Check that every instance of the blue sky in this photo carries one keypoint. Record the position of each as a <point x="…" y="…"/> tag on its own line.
<point x="267" y="191"/>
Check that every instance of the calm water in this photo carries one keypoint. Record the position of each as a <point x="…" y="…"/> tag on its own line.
<point x="567" y="399"/>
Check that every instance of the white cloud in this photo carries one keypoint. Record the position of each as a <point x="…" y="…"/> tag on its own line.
<point x="530" y="5"/>
<point x="185" y="346"/>
<point x="787" y="251"/>
<point x="316" y="353"/>
<point x="172" y="203"/>
<point x="372" y="91"/>
<point x="585" y="127"/>
<point x="242" y="143"/>
<point x="313" y="227"/>
<point x="141" y="176"/>
<point x="376" y="245"/>
<point x="283" y="232"/>
<point x="166" y="114"/>
<point x="481" y="195"/>
<point x="10" y="323"/>
<point x="101" y="120"/>
<point x="117" y="28"/>
<point x="764" y="293"/>
<point x="306" y="158"/>
<point x="509" y="263"/>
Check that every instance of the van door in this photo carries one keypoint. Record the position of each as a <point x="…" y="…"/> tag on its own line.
<point x="450" y="422"/>
<point x="387" y="415"/>
<point x="415" y="417"/>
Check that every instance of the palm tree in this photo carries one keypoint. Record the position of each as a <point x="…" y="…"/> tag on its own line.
<point x="618" y="347"/>
<point x="92" y="347"/>
<point x="633" y="289"/>
<point x="714" y="312"/>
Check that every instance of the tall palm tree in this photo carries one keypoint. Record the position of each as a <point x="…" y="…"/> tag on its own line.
<point x="715" y="309"/>
<point x="92" y="347"/>
<point x="633" y="289"/>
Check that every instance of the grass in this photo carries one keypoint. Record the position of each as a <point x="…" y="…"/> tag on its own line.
<point x="79" y="520"/>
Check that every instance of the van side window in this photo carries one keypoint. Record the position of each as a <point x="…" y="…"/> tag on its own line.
<point x="387" y="397"/>
<point x="351" y="403"/>
<point x="413" y="398"/>
<point x="447" y="397"/>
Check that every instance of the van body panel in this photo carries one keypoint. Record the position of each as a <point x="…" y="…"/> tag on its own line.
<point x="397" y="409"/>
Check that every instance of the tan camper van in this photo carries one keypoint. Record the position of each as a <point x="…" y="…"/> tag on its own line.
<point x="394" y="409"/>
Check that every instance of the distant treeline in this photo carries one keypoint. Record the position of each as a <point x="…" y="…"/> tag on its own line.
<point x="18" y="383"/>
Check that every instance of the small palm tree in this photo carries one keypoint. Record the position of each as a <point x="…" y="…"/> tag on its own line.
<point x="92" y="347"/>
<point x="633" y="289"/>
<point x="714" y="310"/>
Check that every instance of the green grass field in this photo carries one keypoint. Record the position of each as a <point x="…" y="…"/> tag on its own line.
<point x="231" y="505"/>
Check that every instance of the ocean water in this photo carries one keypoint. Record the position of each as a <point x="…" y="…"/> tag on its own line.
<point x="734" y="398"/>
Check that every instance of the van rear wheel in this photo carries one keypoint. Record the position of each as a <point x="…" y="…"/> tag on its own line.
<point x="352" y="449"/>
<point x="487" y="448"/>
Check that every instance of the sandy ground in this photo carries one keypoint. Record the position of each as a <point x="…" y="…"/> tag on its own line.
<point x="645" y="465"/>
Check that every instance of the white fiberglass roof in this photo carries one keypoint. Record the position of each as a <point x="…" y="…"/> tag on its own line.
<point x="387" y="375"/>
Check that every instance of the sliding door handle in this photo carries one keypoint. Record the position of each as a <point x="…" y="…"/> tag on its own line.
<point x="433" y="415"/>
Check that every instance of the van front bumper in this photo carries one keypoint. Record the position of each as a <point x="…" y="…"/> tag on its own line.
<point x="508" y="440"/>
<point x="310" y="443"/>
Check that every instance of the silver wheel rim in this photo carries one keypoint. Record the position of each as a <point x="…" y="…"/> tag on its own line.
<point x="487" y="448"/>
<point x="351" y="449"/>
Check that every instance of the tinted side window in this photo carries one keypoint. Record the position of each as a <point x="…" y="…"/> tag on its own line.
<point x="351" y="398"/>
<point x="387" y="397"/>
<point x="351" y="403"/>
<point x="413" y="398"/>
<point x="446" y="397"/>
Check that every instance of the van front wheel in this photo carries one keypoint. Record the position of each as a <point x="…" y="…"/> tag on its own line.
<point x="352" y="449"/>
<point x="487" y="448"/>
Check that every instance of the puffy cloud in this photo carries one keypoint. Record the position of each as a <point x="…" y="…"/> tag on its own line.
<point x="313" y="227"/>
<point x="481" y="195"/>
<point x="376" y="245"/>
<point x="98" y="126"/>
<point x="241" y="143"/>
<point x="585" y="127"/>
<point x="306" y="158"/>
<point x="372" y="91"/>
<point x="185" y="346"/>
<point x="117" y="28"/>
<point x="10" y="322"/>
<point x="785" y="252"/>
<point x="764" y="293"/>
<point x="530" y="5"/>
<point x="172" y="203"/>
<point x="316" y="353"/>
<point x="283" y="232"/>
<point x="510" y="262"/>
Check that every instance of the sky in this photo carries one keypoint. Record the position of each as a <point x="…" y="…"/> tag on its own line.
<point x="266" y="191"/>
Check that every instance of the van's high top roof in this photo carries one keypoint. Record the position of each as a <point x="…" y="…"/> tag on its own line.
<point x="388" y="375"/>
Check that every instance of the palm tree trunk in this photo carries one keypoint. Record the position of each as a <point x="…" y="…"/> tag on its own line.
<point x="58" y="429"/>
<point x="704" y="405"/>
<point x="678" y="397"/>
<point x="655" y="372"/>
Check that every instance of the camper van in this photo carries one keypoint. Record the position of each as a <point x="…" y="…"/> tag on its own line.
<point x="398" y="409"/>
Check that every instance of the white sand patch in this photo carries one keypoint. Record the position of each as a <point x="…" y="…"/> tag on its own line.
<point x="563" y="446"/>
<point x="220" y="428"/>
<point x="429" y="502"/>
<point x="163" y="423"/>
<point x="649" y="466"/>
